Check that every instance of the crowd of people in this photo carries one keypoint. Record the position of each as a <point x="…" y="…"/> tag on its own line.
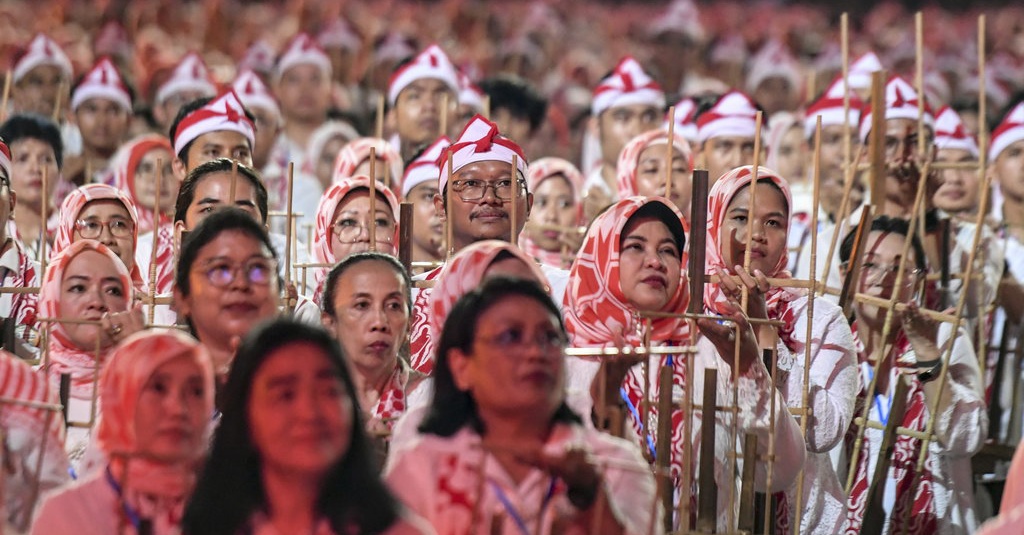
<point x="207" y="327"/>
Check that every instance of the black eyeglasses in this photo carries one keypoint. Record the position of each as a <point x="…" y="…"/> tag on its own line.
<point x="91" y="228"/>
<point x="258" y="271"/>
<point x="474" y="190"/>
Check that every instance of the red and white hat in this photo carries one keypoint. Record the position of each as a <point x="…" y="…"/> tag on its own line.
<point x="426" y="166"/>
<point x="681" y="16"/>
<point x="5" y="159"/>
<point x="950" y="132"/>
<point x="901" y="102"/>
<point x="685" y="126"/>
<point x="191" y="74"/>
<point x="480" y="141"/>
<point x="628" y="84"/>
<point x="469" y="94"/>
<point x="259" y="57"/>
<point x="431" y="63"/>
<point x="861" y="69"/>
<point x="103" y="81"/>
<point x="41" y="51"/>
<point x="224" y="113"/>
<point x="1009" y="131"/>
<point x="830" y="107"/>
<point x="253" y="93"/>
<point x="773" y="61"/>
<point x="339" y="34"/>
<point x="735" y="114"/>
<point x="302" y="50"/>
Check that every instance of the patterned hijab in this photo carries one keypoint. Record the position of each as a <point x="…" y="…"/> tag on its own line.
<point x="74" y="204"/>
<point x="539" y="171"/>
<point x="721" y="194"/>
<point x="65" y="356"/>
<point x="629" y="158"/>
<point x="357" y="151"/>
<point x="596" y="310"/>
<point x="125" y="162"/>
<point x="325" y="218"/>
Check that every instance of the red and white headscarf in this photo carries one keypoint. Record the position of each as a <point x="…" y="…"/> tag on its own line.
<point x="325" y="218"/>
<point x="830" y="108"/>
<point x="125" y="162"/>
<point x="224" y="113"/>
<point x="951" y="134"/>
<point x="629" y="158"/>
<point x="735" y="114"/>
<point x="781" y="123"/>
<point x="357" y="151"/>
<point x="64" y="356"/>
<point x="901" y="102"/>
<point x="431" y="63"/>
<point x="1009" y="131"/>
<point x="154" y="489"/>
<point x="596" y="310"/>
<point x="303" y="50"/>
<point x="74" y="204"/>
<point x="41" y="51"/>
<point x="191" y="74"/>
<point x="721" y="194"/>
<point x="425" y="167"/>
<point x="324" y="134"/>
<point x="103" y="81"/>
<point x="540" y="171"/>
<point x="480" y="141"/>
<point x="627" y="85"/>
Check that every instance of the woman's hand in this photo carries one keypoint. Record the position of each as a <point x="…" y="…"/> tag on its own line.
<point x="922" y="332"/>
<point x="757" y="286"/>
<point x="121" y="325"/>
<point x="722" y="335"/>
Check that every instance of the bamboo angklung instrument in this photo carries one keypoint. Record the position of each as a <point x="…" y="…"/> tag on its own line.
<point x="405" y="223"/>
<point x="156" y="239"/>
<point x="44" y="208"/>
<point x="289" y="226"/>
<point x="58" y="102"/>
<point x="513" y="215"/>
<point x="51" y="412"/>
<point x="449" y="226"/>
<point x="670" y="151"/>
<point x="371" y="217"/>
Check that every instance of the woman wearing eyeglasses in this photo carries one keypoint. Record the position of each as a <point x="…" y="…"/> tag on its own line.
<point x="102" y="213"/>
<point x="226" y="281"/>
<point x="499" y="450"/>
<point x="343" y="224"/>
<point x="942" y="500"/>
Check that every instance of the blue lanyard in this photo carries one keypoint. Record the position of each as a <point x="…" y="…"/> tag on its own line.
<point x="131" y="514"/>
<point x="512" y="512"/>
<point x="639" y="420"/>
<point x="884" y="409"/>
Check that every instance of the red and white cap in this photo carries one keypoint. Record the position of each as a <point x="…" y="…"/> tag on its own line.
<point x="480" y="141"/>
<point x="259" y="57"/>
<point x="41" y="51"/>
<point x="469" y="94"/>
<point x="224" y="113"/>
<point x="191" y="74"/>
<point x="339" y="34"/>
<point x="431" y="63"/>
<point x="302" y="50"/>
<point x="685" y="126"/>
<point x="861" y="69"/>
<point x="681" y="16"/>
<point x="628" y="84"/>
<point x="735" y="114"/>
<point x="950" y="132"/>
<point x="253" y="93"/>
<point x="773" y="61"/>
<point x="103" y="81"/>
<point x="5" y="160"/>
<point x="830" y="107"/>
<point x="426" y="166"/>
<point x="901" y="102"/>
<point x="1009" y="131"/>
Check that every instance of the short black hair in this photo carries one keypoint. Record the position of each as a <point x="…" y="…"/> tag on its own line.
<point x="327" y="300"/>
<point x="187" y="109"/>
<point x="352" y="496"/>
<point x="518" y="96"/>
<point x="223" y="219"/>
<point x="893" y="225"/>
<point x="187" y="191"/>
<point x="23" y="126"/>
<point x="450" y="408"/>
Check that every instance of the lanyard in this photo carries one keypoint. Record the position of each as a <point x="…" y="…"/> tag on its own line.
<point x="639" y="420"/>
<point x="883" y="408"/>
<point x="130" y="513"/>
<point x="511" y="509"/>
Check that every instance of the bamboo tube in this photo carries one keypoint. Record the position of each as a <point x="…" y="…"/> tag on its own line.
<point x="43" y="213"/>
<point x="670" y="151"/>
<point x="289" y="227"/>
<point x="58" y="102"/>
<point x="405" y="223"/>
<point x="371" y="219"/>
<point x="156" y="237"/>
<point x="449" y="224"/>
<point x="698" y="236"/>
<point x="513" y="238"/>
<point x="752" y="199"/>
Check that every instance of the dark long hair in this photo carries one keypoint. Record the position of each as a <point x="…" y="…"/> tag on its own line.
<point x="230" y="488"/>
<point x="452" y="408"/>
